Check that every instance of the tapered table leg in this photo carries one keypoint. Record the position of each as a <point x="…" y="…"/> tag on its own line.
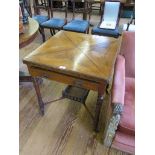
<point x="101" y="94"/>
<point x="97" y="111"/>
<point x="37" y="89"/>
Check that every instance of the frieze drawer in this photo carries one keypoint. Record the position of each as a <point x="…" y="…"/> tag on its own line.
<point x="60" y="77"/>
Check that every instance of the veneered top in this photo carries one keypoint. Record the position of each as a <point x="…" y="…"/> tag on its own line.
<point x="81" y="55"/>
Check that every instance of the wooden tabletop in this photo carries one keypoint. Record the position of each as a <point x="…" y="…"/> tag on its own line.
<point x="30" y="32"/>
<point x="82" y="55"/>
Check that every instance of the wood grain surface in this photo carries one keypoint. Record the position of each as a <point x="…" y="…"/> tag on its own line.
<point x="87" y="56"/>
<point x="65" y="129"/>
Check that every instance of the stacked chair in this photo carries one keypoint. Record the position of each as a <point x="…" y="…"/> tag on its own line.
<point x="110" y="12"/>
<point x="55" y="23"/>
<point x="79" y="25"/>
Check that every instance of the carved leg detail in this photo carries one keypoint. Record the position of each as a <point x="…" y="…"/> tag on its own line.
<point x="111" y="130"/>
<point x="40" y="101"/>
<point x="97" y="111"/>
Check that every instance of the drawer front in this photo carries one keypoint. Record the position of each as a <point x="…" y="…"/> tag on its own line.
<point x="63" y="78"/>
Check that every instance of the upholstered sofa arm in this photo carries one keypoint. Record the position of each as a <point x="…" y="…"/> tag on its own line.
<point x="118" y="88"/>
<point x="118" y="92"/>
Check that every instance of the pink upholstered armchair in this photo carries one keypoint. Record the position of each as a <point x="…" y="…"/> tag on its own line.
<point x="120" y="132"/>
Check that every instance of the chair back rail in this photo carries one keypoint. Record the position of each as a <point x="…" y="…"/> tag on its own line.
<point x="43" y="5"/>
<point x="85" y="10"/>
<point x="62" y="8"/>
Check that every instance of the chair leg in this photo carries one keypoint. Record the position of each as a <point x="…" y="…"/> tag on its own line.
<point x="87" y="31"/>
<point x="40" y="30"/>
<point x="51" y="32"/>
<point x="37" y="89"/>
<point x="43" y="34"/>
<point x="92" y="32"/>
<point x="127" y="26"/>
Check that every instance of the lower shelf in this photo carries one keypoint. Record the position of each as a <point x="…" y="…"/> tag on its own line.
<point x="75" y="93"/>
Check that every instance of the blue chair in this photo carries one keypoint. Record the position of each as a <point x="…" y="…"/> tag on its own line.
<point x="55" y="23"/>
<point x="79" y="25"/>
<point x="108" y="25"/>
<point x="38" y="5"/>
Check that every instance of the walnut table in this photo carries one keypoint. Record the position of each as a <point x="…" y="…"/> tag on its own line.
<point x="82" y="60"/>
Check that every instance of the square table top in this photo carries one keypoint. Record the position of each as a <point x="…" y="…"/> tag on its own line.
<point x="81" y="55"/>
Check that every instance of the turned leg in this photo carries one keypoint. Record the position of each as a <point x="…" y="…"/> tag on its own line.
<point x="40" y="101"/>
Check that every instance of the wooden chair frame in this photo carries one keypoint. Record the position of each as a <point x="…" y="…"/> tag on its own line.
<point x="44" y="5"/>
<point x="86" y="10"/>
<point x="52" y="9"/>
